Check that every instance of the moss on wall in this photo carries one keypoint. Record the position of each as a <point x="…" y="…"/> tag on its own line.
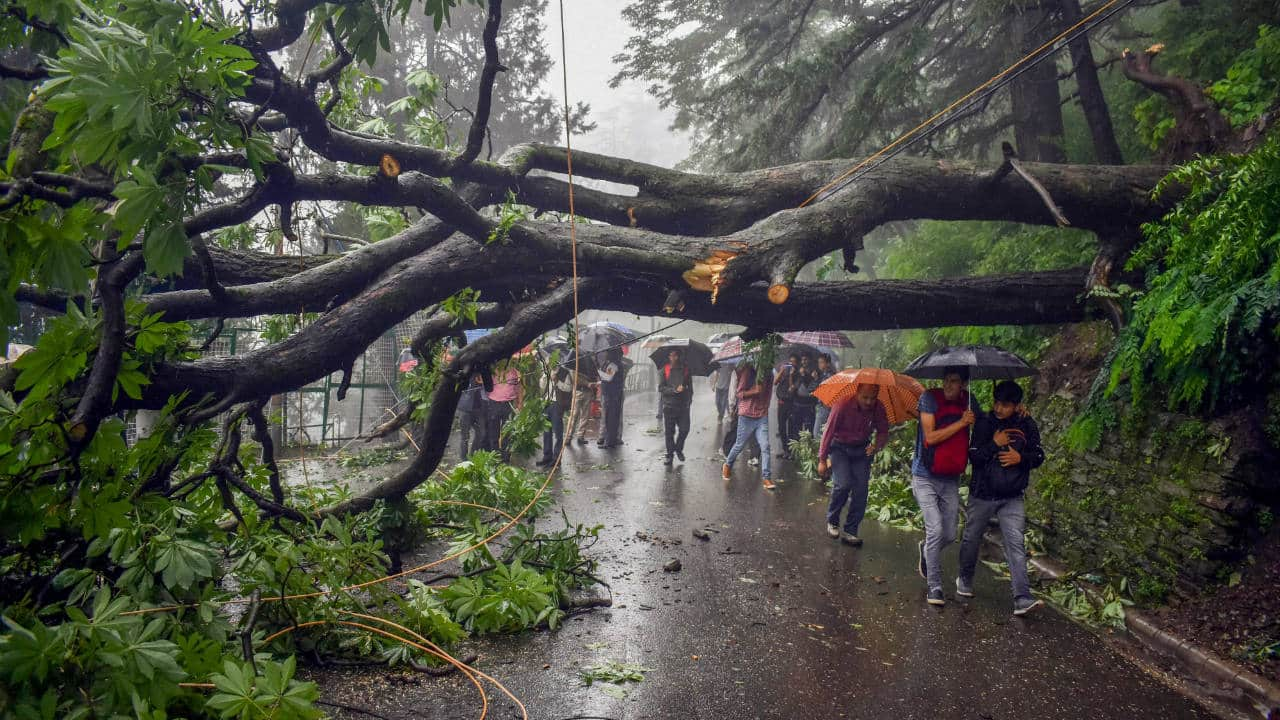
<point x="1164" y="500"/>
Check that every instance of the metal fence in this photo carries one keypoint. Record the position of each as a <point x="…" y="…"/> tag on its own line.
<point x="313" y="415"/>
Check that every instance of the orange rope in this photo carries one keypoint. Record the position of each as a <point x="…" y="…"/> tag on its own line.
<point x="457" y="663"/>
<point x="994" y="79"/>
<point x="469" y="504"/>
<point x="465" y="669"/>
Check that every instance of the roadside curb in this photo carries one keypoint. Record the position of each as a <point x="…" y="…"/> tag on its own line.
<point x="1193" y="661"/>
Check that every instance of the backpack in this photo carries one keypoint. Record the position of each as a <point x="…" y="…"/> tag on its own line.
<point x="949" y="457"/>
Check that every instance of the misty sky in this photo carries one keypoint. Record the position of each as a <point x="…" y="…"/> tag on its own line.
<point x="630" y="123"/>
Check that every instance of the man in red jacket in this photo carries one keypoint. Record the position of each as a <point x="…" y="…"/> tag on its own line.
<point x="942" y="452"/>
<point x="846" y="446"/>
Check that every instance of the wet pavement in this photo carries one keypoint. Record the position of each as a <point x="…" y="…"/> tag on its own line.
<point x="770" y="618"/>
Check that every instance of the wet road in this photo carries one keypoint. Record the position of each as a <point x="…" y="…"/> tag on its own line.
<point x="770" y="618"/>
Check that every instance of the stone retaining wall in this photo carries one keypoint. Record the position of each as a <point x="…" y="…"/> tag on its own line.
<point x="1166" y="500"/>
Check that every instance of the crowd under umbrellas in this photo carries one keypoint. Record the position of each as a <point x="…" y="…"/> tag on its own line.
<point x="848" y="411"/>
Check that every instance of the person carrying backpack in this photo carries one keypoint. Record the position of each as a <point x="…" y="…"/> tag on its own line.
<point x="1004" y="449"/>
<point x="941" y="454"/>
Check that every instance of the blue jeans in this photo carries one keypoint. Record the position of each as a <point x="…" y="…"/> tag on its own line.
<point x="748" y="426"/>
<point x="850" y="473"/>
<point x="939" y="502"/>
<point x="1012" y="516"/>
<point x="553" y="437"/>
<point x="820" y="415"/>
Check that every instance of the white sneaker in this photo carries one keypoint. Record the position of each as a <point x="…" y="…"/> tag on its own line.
<point x="833" y="531"/>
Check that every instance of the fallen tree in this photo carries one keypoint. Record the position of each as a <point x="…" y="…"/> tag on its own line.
<point x="722" y="248"/>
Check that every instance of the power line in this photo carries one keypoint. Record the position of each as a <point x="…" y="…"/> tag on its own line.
<point x="959" y="108"/>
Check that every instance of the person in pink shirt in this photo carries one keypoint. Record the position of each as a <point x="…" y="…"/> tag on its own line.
<point x="506" y="397"/>
<point x="847" y="450"/>
<point x="754" y="389"/>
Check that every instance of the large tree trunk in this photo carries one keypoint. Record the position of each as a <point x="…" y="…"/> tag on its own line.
<point x="1094" y="104"/>
<point x="1037" y="109"/>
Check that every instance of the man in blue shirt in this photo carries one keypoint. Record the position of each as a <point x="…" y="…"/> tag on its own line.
<point x="945" y="418"/>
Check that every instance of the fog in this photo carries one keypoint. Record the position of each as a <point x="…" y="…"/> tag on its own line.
<point x="630" y="123"/>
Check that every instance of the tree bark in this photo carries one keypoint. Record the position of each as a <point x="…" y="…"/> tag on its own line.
<point x="1092" y="100"/>
<point x="1037" y="108"/>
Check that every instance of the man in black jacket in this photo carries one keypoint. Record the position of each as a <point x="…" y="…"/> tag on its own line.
<point x="675" y="384"/>
<point x="1003" y="450"/>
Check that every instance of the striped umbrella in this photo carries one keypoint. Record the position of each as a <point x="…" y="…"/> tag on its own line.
<point x="817" y="338"/>
<point x="899" y="394"/>
<point x="731" y="349"/>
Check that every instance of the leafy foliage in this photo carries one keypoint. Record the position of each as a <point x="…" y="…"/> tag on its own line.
<point x="804" y="455"/>
<point x="936" y="250"/>
<point x="889" y="497"/>
<point x="1104" y="608"/>
<point x="1205" y="337"/>
<point x="1252" y="82"/>
<point x="612" y="671"/>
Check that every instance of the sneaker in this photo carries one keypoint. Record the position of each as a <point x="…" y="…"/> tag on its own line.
<point x="667" y="461"/>
<point x="923" y="568"/>
<point x="753" y="462"/>
<point x="545" y="461"/>
<point x="600" y="443"/>
<point x="680" y="454"/>
<point x="582" y="441"/>
<point x="935" y="597"/>
<point x="964" y="589"/>
<point x="768" y="484"/>
<point x="725" y="470"/>
<point x="1022" y="606"/>
<point x="833" y="531"/>
<point x="849" y="538"/>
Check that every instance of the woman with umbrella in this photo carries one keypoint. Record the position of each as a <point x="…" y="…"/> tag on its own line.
<point x="863" y="402"/>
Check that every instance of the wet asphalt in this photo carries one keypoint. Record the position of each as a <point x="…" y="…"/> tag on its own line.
<point x="769" y="618"/>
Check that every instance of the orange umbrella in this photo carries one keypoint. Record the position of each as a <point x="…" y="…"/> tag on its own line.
<point x="899" y="394"/>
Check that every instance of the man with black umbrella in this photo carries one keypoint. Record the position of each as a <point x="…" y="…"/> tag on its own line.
<point x="676" y="389"/>
<point x="941" y="455"/>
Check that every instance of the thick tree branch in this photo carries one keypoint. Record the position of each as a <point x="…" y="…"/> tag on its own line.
<point x="1200" y="128"/>
<point x="291" y="21"/>
<point x="95" y="402"/>
<point x="484" y="102"/>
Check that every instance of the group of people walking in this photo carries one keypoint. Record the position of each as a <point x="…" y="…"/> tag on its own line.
<point x="482" y="413"/>
<point x="953" y="433"/>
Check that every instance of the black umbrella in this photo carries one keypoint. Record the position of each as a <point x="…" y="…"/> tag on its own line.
<point x="604" y="336"/>
<point x="984" y="362"/>
<point x="696" y="355"/>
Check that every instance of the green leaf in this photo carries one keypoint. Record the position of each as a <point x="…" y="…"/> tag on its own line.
<point x="165" y="248"/>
